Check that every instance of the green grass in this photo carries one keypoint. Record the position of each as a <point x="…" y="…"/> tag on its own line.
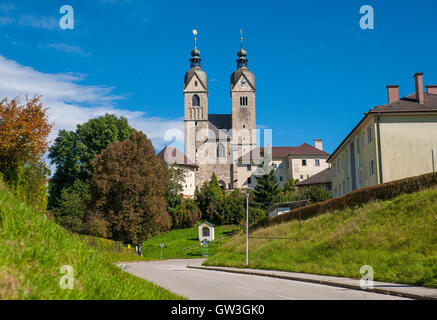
<point x="398" y="238"/>
<point x="176" y="240"/>
<point x="33" y="249"/>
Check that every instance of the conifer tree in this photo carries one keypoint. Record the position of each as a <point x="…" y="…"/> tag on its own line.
<point x="267" y="190"/>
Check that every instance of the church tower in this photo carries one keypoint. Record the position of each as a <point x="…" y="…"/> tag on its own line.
<point x="243" y="106"/>
<point x="196" y="103"/>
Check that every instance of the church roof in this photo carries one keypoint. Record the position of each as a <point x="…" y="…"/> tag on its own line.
<point x="172" y="155"/>
<point x="199" y="73"/>
<point x="220" y="123"/>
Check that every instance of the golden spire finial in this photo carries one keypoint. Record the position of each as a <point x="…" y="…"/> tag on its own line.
<point x="241" y="39"/>
<point x="195" y="37"/>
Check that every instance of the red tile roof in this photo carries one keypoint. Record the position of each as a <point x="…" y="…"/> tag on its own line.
<point x="172" y="155"/>
<point x="283" y="152"/>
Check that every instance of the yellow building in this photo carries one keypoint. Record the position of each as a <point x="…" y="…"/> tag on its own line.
<point x="391" y="142"/>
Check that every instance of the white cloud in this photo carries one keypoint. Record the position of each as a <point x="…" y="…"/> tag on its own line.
<point x="71" y="103"/>
<point x="5" y="21"/>
<point x="42" y="22"/>
<point x="72" y="49"/>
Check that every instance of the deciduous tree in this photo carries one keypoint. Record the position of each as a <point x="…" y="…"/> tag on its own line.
<point x="24" y="129"/>
<point x="73" y="151"/>
<point x="128" y="190"/>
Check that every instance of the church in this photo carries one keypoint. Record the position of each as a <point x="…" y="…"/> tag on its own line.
<point x="226" y="144"/>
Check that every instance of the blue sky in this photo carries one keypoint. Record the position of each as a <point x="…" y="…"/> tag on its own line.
<point x="316" y="71"/>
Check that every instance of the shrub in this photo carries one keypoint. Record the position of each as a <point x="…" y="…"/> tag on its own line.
<point x="379" y="192"/>
<point x="70" y="209"/>
<point x="186" y="214"/>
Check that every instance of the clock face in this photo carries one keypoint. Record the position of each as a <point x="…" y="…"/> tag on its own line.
<point x="243" y="83"/>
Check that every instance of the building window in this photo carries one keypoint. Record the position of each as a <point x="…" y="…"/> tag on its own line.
<point x="339" y="189"/>
<point x="195" y="83"/>
<point x="249" y="180"/>
<point x="342" y="162"/>
<point x="369" y="134"/>
<point x="304" y="162"/>
<point x="221" y="151"/>
<point x="360" y="172"/>
<point x="249" y="167"/>
<point x="301" y="177"/>
<point x="372" y="167"/>
<point x="281" y="166"/>
<point x="243" y="101"/>
<point x="274" y="165"/>
<point x="365" y="172"/>
<point x="317" y="162"/>
<point x="334" y="170"/>
<point x="335" y="192"/>
<point x="344" y="187"/>
<point x="196" y="101"/>
<point x="363" y="141"/>
<point x="281" y="179"/>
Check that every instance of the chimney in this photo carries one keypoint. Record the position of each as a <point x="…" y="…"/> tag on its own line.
<point x="393" y="93"/>
<point x="431" y="89"/>
<point x="318" y="144"/>
<point x="420" y="96"/>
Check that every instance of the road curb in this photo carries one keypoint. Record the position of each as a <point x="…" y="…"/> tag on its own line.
<point x="391" y="292"/>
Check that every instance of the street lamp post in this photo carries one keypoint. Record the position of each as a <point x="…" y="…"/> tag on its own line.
<point x="247" y="227"/>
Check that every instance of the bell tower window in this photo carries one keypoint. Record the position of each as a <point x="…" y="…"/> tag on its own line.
<point x="243" y="101"/>
<point x="196" y="101"/>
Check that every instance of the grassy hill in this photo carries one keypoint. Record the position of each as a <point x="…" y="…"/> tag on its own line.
<point x="176" y="241"/>
<point x="397" y="237"/>
<point x="33" y="249"/>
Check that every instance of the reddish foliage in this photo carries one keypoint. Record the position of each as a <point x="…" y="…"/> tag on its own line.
<point x="128" y="190"/>
<point x="24" y="129"/>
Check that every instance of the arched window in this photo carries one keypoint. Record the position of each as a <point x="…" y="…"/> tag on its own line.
<point x="196" y="101"/>
<point x="220" y="150"/>
<point x="205" y="231"/>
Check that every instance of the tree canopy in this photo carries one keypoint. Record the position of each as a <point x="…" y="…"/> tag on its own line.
<point x="24" y="130"/>
<point x="267" y="190"/>
<point x="73" y="151"/>
<point x="128" y="190"/>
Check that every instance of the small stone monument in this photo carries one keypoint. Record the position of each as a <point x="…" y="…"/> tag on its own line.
<point x="206" y="231"/>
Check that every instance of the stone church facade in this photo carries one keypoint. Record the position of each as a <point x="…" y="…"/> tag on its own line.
<point x="215" y="141"/>
<point x="226" y="144"/>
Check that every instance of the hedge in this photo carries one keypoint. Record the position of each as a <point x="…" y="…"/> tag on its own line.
<point x="355" y="198"/>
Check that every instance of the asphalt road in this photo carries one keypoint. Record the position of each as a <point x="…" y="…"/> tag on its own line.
<point x="215" y="285"/>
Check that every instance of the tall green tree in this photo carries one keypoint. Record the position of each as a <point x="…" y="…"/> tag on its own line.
<point x="233" y="208"/>
<point x="173" y="192"/>
<point x="128" y="191"/>
<point x="73" y="151"/>
<point x="72" y="205"/>
<point x="267" y="190"/>
<point x="209" y="198"/>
